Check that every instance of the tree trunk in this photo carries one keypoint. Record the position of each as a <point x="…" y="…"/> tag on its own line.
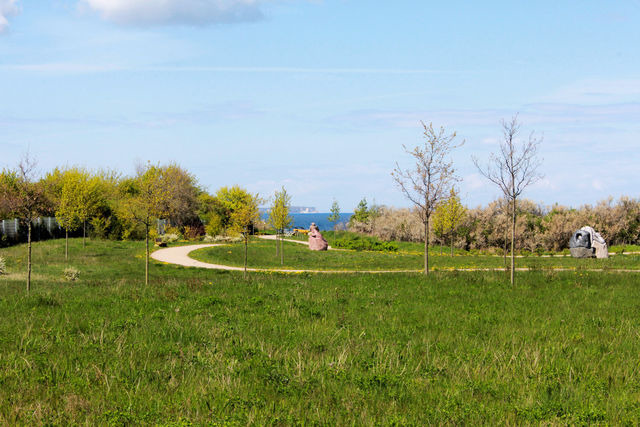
<point x="246" y="243"/>
<point x="29" y="256"/>
<point x="513" y="239"/>
<point x="146" y="263"/>
<point x="282" y="250"/>
<point x="66" y="244"/>
<point x="506" y="238"/>
<point x="84" y="232"/>
<point x="426" y="246"/>
<point x="451" y="245"/>
<point x="277" y="244"/>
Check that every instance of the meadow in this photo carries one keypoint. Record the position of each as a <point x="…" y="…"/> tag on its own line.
<point x="207" y="347"/>
<point x="262" y="254"/>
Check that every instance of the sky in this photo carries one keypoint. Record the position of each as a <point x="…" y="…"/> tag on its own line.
<point x="320" y="96"/>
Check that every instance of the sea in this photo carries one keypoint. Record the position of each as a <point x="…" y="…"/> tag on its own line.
<point x="304" y="220"/>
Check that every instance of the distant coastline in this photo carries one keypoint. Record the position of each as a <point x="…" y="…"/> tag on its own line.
<point x="295" y="210"/>
<point x="303" y="210"/>
<point x="304" y="220"/>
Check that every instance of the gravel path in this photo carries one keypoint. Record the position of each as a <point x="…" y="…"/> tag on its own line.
<point x="180" y="255"/>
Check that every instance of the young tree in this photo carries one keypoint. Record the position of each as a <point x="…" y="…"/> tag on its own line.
<point x="280" y="219"/>
<point x="513" y="169"/>
<point x="335" y="214"/>
<point x="102" y="204"/>
<point x="364" y="217"/>
<point x="25" y="197"/>
<point x="146" y="198"/>
<point x="503" y="208"/>
<point x="361" y="212"/>
<point x="218" y="209"/>
<point x="242" y="219"/>
<point x="182" y="206"/>
<point x="68" y="204"/>
<point x="449" y="216"/>
<point x="439" y="225"/>
<point x="91" y="197"/>
<point x="430" y="179"/>
<point x="207" y="205"/>
<point x="77" y="196"/>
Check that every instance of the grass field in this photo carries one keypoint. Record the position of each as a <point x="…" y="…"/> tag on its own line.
<point x="261" y="254"/>
<point x="200" y="346"/>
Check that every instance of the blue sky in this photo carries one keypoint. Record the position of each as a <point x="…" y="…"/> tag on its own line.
<point x="320" y="96"/>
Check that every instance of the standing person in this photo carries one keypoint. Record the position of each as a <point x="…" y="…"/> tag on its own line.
<point x="316" y="241"/>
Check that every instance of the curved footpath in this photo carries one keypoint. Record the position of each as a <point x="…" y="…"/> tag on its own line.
<point x="179" y="255"/>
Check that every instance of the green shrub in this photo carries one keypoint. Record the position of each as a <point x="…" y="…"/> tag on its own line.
<point x="364" y="243"/>
<point x="173" y="231"/>
<point x="192" y="232"/>
<point x="170" y="237"/>
<point x="100" y="226"/>
<point x="221" y="239"/>
<point x="132" y="230"/>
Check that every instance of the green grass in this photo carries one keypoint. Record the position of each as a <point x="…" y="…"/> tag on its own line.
<point x="261" y="254"/>
<point x="200" y="346"/>
<point x="620" y="249"/>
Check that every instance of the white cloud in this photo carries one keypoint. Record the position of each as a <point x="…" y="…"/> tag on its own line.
<point x="596" y="92"/>
<point x="531" y="115"/>
<point x="7" y="8"/>
<point x="171" y="12"/>
<point x="297" y="70"/>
